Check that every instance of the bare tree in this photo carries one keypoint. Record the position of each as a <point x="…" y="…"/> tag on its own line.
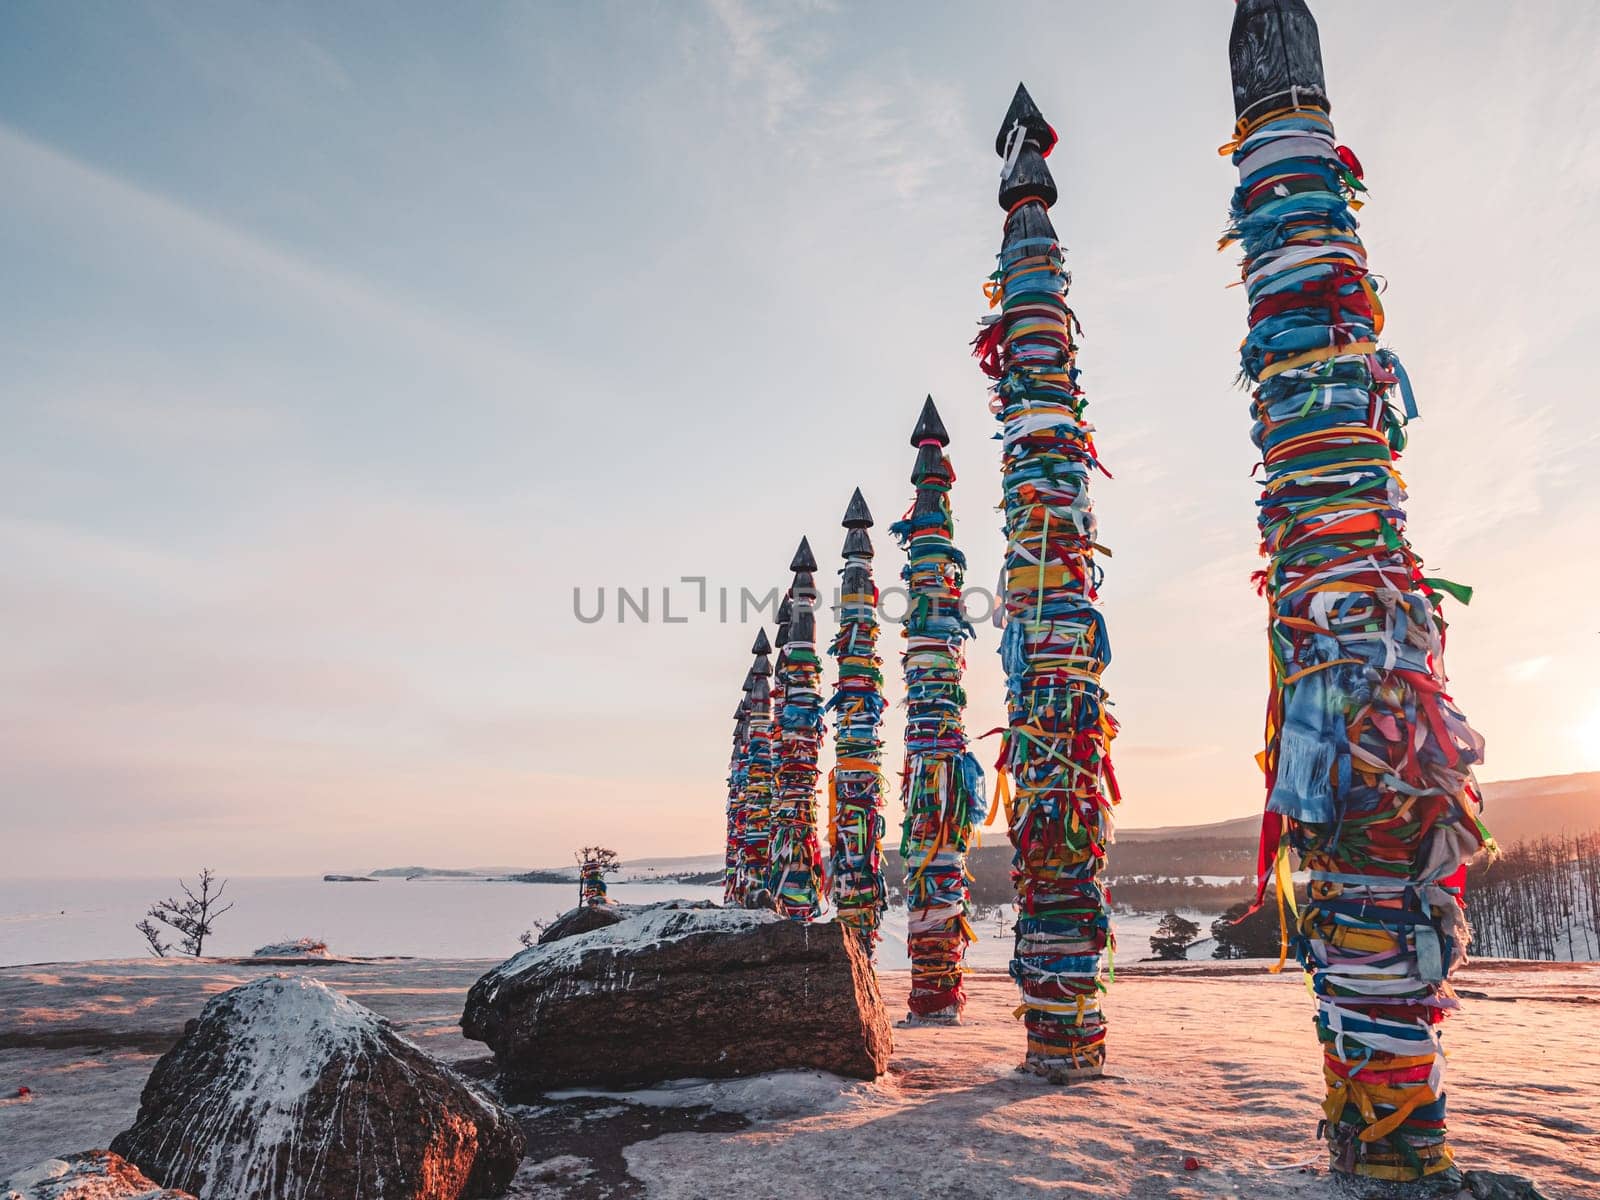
<point x="152" y="935"/>
<point x="605" y="858"/>
<point x="191" y="917"/>
<point x="1538" y="899"/>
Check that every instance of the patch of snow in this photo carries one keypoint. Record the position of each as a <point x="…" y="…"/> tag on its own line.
<point x="298" y="948"/>
<point x="84" y="1179"/>
<point x="767" y="1097"/>
<point x="550" y="1179"/>
<point x="26" y="1184"/>
<point x="562" y="1166"/>
<point x="646" y="928"/>
<point x="284" y="1031"/>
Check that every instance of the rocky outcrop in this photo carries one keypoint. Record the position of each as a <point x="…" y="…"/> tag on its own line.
<point x="584" y="919"/>
<point x="1493" y="1185"/>
<point x="89" y="1175"/>
<point x="298" y="948"/>
<point x="284" y="1088"/>
<point x="682" y="990"/>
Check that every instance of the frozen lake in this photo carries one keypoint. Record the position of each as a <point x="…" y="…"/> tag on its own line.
<point x="71" y="920"/>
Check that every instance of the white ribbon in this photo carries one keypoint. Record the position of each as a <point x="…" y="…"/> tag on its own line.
<point x="1014" y="143"/>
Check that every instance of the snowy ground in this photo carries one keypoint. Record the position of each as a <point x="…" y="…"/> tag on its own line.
<point x="1215" y="1061"/>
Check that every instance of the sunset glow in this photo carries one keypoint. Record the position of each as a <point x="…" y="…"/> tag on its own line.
<point x="310" y="448"/>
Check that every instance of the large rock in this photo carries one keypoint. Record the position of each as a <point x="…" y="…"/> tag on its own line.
<point x="89" y="1175"/>
<point x="584" y="919"/>
<point x="298" y="948"/>
<point x="284" y="1088"/>
<point x="682" y="990"/>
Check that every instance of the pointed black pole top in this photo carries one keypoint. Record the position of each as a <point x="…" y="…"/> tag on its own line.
<point x="929" y="427"/>
<point x="785" y="618"/>
<point x="803" y="559"/>
<point x="1035" y="129"/>
<point x="1275" y="57"/>
<point x="749" y="681"/>
<point x="857" y="516"/>
<point x="762" y="646"/>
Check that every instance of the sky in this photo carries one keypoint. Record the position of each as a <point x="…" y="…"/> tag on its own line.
<point x="342" y="345"/>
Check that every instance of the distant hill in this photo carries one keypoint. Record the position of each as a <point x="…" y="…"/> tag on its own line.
<point x="1230" y="830"/>
<point x="1515" y="810"/>
<point x="686" y="862"/>
<point x="687" y="868"/>
<point x="1157" y="868"/>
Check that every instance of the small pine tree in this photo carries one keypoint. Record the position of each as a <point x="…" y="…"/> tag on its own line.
<point x="1238" y="936"/>
<point x="1173" y="937"/>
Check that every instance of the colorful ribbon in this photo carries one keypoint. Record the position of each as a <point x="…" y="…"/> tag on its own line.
<point x="1056" y="749"/>
<point x="591" y="883"/>
<point x="738" y="874"/>
<point x="1368" y="761"/>
<point x="737" y="767"/>
<point x="855" y="786"/>
<point x="942" y="784"/>
<point x="794" y="872"/>
<point x="755" y="829"/>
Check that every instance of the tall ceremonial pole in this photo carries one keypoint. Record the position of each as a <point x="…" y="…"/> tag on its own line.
<point x="855" y="787"/>
<point x="592" y="878"/>
<point x="1368" y="761"/>
<point x="737" y="765"/>
<point x="942" y="786"/>
<point x="755" y="831"/>
<point x="796" y="863"/>
<point x="1056" y="748"/>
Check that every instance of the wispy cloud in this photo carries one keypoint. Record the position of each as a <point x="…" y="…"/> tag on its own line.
<point x="757" y="55"/>
<point x="884" y="125"/>
<point x="273" y="63"/>
<point x="56" y="183"/>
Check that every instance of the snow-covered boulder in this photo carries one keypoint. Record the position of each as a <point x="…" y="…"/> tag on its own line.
<point x="299" y="948"/>
<point x="584" y="918"/>
<point x="1493" y="1185"/>
<point x="89" y="1175"/>
<point x="682" y="990"/>
<point x="284" y="1088"/>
